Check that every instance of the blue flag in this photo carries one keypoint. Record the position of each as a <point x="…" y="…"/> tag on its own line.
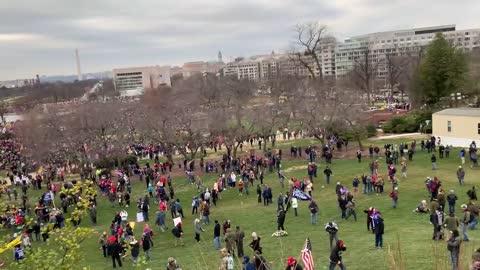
<point x="297" y="193"/>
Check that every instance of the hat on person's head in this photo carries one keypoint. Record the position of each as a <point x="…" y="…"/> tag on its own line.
<point x="254" y="235"/>
<point x="338" y="183"/>
<point x="463" y="206"/>
<point x="171" y="260"/>
<point x="460" y="166"/>
<point x="452" y="191"/>
<point x="290" y="261"/>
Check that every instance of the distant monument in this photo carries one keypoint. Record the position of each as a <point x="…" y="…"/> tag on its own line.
<point x="220" y="60"/>
<point x="79" y="71"/>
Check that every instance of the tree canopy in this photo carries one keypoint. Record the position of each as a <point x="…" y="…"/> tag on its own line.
<point x="442" y="71"/>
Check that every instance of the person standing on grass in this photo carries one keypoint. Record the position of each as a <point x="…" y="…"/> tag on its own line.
<point x="294" y="202"/>
<point x="135" y="249"/>
<point x="359" y="156"/>
<point x="433" y="159"/>
<point x="230" y="241"/>
<point x="355" y="185"/>
<point x="195" y="205"/>
<point x="103" y="241"/>
<point x="453" y="245"/>
<point x="379" y="230"/>
<point x="255" y="244"/>
<point x="461" y="175"/>
<point x="177" y="231"/>
<point x="216" y="235"/>
<point x="351" y="210"/>
<point x="93" y="214"/>
<point x="451" y="199"/>
<point x="441" y="200"/>
<point x="462" y="156"/>
<point x="206" y="213"/>
<point x="198" y="229"/>
<point x="404" y="168"/>
<point x="328" y="172"/>
<point x="239" y="236"/>
<point x="115" y="249"/>
<point x="259" y="194"/>
<point x="332" y="229"/>
<point x="451" y="223"/>
<point x="280" y="202"/>
<point x="178" y="206"/>
<point x="145" y="208"/>
<point x="313" y="211"/>
<point x="336" y="256"/>
<point x="436" y="218"/>
<point x="281" y="219"/>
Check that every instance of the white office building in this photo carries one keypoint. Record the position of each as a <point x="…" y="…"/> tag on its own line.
<point x="339" y="58"/>
<point x="133" y="81"/>
<point x="398" y="43"/>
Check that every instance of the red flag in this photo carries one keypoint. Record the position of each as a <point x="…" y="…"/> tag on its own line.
<point x="307" y="256"/>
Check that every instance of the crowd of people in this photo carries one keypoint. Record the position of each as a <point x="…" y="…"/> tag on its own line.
<point x="241" y="175"/>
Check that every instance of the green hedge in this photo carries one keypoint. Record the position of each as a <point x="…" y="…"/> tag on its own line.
<point x="407" y="123"/>
<point x="114" y="162"/>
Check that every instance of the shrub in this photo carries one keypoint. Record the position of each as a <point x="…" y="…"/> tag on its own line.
<point x="371" y="130"/>
<point x="408" y="122"/>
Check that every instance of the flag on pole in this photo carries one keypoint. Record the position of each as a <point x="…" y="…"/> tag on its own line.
<point x="299" y="194"/>
<point x="307" y="256"/>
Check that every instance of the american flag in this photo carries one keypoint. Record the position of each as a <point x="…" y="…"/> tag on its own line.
<point x="307" y="256"/>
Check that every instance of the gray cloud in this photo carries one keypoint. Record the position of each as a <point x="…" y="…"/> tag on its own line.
<point x="40" y="36"/>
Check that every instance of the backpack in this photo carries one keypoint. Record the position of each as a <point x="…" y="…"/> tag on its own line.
<point x="175" y="232"/>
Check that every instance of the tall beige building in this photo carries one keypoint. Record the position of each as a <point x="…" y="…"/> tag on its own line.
<point x="133" y="81"/>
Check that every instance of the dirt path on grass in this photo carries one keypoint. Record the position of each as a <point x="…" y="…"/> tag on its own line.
<point x="415" y="135"/>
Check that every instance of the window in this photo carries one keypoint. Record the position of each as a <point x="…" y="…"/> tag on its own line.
<point x="449" y="126"/>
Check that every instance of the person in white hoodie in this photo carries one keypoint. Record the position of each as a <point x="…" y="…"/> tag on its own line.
<point x="27" y="242"/>
<point x="294" y="205"/>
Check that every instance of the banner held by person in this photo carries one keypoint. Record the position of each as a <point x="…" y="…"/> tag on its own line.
<point x="301" y="195"/>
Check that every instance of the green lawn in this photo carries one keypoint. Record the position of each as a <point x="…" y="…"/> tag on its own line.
<point x="411" y="231"/>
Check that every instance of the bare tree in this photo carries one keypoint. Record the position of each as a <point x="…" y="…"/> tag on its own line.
<point x="306" y="53"/>
<point x="395" y="66"/>
<point x="364" y="72"/>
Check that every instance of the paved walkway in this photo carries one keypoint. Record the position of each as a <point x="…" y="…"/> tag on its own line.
<point x="405" y="135"/>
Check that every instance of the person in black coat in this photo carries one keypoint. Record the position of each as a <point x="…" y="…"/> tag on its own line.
<point x="336" y="255"/>
<point x="281" y="219"/>
<point x="114" y="249"/>
<point x="379" y="229"/>
<point x="135" y="249"/>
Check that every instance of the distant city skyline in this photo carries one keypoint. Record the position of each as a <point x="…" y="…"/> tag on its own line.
<point x="112" y="34"/>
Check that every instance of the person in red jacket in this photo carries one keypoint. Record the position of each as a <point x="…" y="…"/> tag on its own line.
<point x="394" y="196"/>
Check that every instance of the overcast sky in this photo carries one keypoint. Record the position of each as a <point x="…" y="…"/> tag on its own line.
<point x="40" y="36"/>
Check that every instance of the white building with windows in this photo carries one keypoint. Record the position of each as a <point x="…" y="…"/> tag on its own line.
<point x="133" y="81"/>
<point x="338" y="58"/>
<point x="398" y="43"/>
<point x="457" y="126"/>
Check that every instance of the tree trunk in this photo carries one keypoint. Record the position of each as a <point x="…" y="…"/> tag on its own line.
<point x="360" y="145"/>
